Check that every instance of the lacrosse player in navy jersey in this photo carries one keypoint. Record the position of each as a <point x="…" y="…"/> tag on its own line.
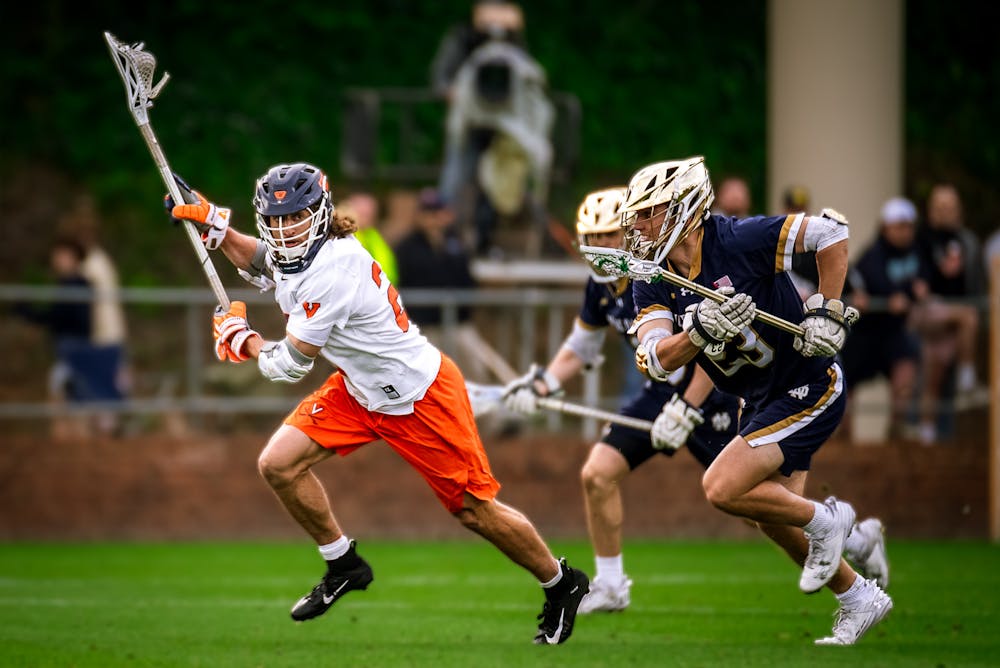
<point x="678" y="406"/>
<point x="792" y="385"/>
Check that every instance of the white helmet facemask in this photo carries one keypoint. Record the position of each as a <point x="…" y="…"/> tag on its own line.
<point x="600" y="213"/>
<point x="288" y="240"/>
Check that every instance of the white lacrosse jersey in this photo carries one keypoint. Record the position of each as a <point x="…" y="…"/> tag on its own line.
<point x="344" y="303"/>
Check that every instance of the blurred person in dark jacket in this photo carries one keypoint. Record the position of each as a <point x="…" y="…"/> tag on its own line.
<point x="890" y="270"/>
<point x="73" y="376"/>
<point x="948" y="327"/>
<point x="433" y="256"/>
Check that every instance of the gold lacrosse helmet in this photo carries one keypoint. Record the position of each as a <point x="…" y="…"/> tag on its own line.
<point x="599" y="213"/>
<point x="680" y="189"/>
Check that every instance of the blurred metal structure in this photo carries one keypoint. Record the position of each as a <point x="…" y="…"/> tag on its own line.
<point x="397" y="134"/>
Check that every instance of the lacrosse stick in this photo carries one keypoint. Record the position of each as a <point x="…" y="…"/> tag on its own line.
<point x="487" y="398"/>
<point x="136" y="65"/>
<point x="619" y="262"/>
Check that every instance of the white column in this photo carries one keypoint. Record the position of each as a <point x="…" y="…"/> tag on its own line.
<point x="835" y="105"/>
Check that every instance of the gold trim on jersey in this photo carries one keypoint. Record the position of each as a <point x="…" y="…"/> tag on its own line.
<point x="650" y="313"/>
<point x="786" y="242"/>
<point x="806" y="414"/>
<point x="695" y="267"/>
<point x="592" y="328"/>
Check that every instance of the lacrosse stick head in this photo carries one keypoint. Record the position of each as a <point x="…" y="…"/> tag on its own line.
<point x="600" y="214"/>
<point x="664" y="203"/>
<point x="293" y="211"/>
<point x="136" y="67"/>
<point x="619" y="262"/>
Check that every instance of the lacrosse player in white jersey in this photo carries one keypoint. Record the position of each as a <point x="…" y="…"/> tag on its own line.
<point x="390" y="384"/>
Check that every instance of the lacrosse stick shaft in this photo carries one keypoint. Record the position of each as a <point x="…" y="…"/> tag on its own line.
<point x="180" y="195"/>
<point x="579" y="410"/>
<point x="139" y="91"/>
<point x="717" y="297"/>
<point x="619" y="262"/>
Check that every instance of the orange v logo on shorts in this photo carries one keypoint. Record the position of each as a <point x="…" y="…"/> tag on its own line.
<point x="311" y="308"/>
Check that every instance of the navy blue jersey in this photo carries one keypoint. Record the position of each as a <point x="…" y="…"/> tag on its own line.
<point x="611" y="305"/>
<point x="752" y="255"/>
<point x="608" y="304"/>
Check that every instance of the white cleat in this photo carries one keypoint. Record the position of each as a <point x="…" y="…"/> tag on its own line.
<point x="850" y="624"/>
<point x="871" y="561"/>
<point x="604" y="597"/>
<point x="825" y="549"/>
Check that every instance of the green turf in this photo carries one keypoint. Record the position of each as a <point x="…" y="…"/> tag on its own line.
<point x="461" y="604"/>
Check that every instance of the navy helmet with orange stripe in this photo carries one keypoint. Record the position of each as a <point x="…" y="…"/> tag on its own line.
<point x="294" y="210"/>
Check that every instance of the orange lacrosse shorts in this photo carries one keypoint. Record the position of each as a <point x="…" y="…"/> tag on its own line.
<point x="439" y="439"/>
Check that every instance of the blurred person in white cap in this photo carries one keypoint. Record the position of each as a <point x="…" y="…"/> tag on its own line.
<point x="888" y="279"/>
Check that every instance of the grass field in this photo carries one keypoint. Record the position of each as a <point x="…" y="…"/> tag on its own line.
<point x="461" y="604"/>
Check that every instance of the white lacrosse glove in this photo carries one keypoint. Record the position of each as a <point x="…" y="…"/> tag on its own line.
<point x="827" y="324"/>
<point x="264" y="283"/>
<point x="709" y="322"/>
<point x="674" y="424"/>
<point x="231" y="331"/>
<point x="212" y="221"/>
<point x="521" y="394"/>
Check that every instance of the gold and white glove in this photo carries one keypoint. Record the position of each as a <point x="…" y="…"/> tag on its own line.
<point x="827" y="324"/>
<point x="710" y="322"/>
<point x="674" y="424"/>
<point x="521" y="394"/>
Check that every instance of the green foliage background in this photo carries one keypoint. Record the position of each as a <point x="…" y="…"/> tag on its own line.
<point x="262" y="83"/>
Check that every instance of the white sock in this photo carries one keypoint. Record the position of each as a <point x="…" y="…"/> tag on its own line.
<point x="554" y="581"/>
<point x="336" y="549"/>
<point x="854" y="594"/>
<point x="821" y="520"/>
<point x="609" y="569"/>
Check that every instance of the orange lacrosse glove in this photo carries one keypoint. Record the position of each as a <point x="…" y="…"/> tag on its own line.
<point x="231" y="331"/>
<point x="212" y="221"/>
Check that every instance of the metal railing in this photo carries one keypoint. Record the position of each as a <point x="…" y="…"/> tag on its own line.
<point x="525" y="325"/>
<point x="524" y="321"/>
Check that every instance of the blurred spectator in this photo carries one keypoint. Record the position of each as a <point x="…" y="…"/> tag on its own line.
<point x="499" y="123"/>
<point x="68" y="324"/>
<point x="890" y="270"/>
<point x="432" y="256"/>
<point x="948" y="328"/>
<point x="732" y="197"/>
<point x="363" y="208"/>
<point x="795" y="200"/>
<point x="108" y="315"/>
<point x="400" y="215"/>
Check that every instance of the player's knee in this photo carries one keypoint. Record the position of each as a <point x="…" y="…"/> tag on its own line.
<point x="597" y="478"/>
<point x="276" y="473"/>
<point x="716" y="492"/>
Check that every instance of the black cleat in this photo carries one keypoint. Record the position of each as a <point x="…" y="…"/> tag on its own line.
<point x="561" y="603"/>
<point x="344" y="574"/>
